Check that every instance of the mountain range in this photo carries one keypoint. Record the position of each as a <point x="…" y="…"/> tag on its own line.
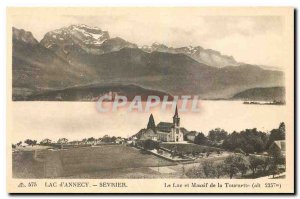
<point x="83" y="56"/>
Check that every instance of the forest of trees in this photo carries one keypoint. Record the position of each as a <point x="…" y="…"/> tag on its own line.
<point x="251" y="166"/>
<point x="247" y="141"/>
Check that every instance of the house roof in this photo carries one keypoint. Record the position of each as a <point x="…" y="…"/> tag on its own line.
<point x="148" y="134"/>
<point x="139" y="134"/>
<point x="184" y="130"/>
<point x="165" y="126"/>
<point x="192" y="133"/>
<point x="280" y="144"/>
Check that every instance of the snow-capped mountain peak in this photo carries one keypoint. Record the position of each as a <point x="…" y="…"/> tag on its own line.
<point x="76" y="34"/>
<point x="206" y="56"/>
<point x="88" y="39"/>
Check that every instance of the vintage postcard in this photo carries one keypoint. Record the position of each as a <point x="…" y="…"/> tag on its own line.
<point x="150" y="100"/>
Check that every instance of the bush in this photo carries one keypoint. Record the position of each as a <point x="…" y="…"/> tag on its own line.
<point x="234" y="164"/>
<point x="239" y="150"/>
<point x="150" y="145"/>
<point x="208" y="169"/>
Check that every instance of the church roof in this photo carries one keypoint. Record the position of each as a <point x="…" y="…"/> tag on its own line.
<point x="165" y="126"/>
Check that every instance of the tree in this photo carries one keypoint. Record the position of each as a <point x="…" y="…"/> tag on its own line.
<point x="255" y="163"/>
<point x="266" y="163"/>
<point x="239" y="150"/>
<point x="151" y="123"/>
<point x="19" y="143"/>
<point x="200" y="139"/>
<point x="30" y="142"/>
<point x="276" y="159"/>
<point x="62" y="141"/>
<point x="277" y="134"/>
<point x="195" y="172"/>
<point x="242" y="164"/>
<point x="45" y="142"/>
<point x="91" y="139"/>
<point x="243" y="168"/>
<point x="234" y="164"/>
<point x="230" y="166"/>
<point x="150" y="145"/>
<point x="216" y="135"/>
<point x="34" y="142"/>
<point x="208" y="169"/>
<point x="275" y="153"/>
<point x="113" y="139"/>
<point x="106" y="138"/>
<point x="219" y="169"/>
<point x="249" y="140"/>
<point x="273" y="169"/>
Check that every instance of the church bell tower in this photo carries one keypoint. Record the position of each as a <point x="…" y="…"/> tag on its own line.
<point x="176" y="118"/>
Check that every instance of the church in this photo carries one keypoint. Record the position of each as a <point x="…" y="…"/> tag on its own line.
<point x="164" y="131"/>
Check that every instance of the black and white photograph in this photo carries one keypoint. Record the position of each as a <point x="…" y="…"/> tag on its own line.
<point x="200" y="95"/>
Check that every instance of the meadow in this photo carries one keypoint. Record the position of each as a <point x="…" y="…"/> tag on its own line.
<point x="78" y="161"/>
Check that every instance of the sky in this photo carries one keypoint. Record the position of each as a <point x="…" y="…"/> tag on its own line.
<point x="249" y="39"/>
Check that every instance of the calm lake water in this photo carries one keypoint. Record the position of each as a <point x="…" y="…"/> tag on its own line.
<point x="77" y="120"/>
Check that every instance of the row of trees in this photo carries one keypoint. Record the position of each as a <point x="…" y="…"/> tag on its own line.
<point x="240" y="164"/>
<point x="47" y="141"/>
<point x="249" y="140"/>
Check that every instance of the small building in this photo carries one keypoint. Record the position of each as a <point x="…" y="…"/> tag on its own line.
<point x="148" y="134"/>
<point x="280" y="145"/>
<point x="191" y="136"/>
<point x="75" y="142"/>
<point x="119" y="140"/>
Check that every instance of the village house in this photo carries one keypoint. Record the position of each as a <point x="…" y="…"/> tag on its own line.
<point x="148" y="134"/>
<point x="191" y="136"/>
<point x="280" y="145"/>
<point x="75" y="143"/>
<point x="119" y="140"/>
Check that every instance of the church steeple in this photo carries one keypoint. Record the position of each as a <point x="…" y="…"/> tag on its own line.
<point x="176" y="118"/>
<point x="176" y="112"/>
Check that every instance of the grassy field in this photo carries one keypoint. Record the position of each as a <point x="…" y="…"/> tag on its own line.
<point x="74" y="162"/>
<point x="24" y="165"/>
<point x="188" y="147"/>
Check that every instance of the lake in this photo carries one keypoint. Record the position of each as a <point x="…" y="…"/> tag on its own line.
<point x="77" y="120"/>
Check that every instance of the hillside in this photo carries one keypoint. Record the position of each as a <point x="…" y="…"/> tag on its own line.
<point x="93" y="92"/>
<point x="262" y="94"/>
